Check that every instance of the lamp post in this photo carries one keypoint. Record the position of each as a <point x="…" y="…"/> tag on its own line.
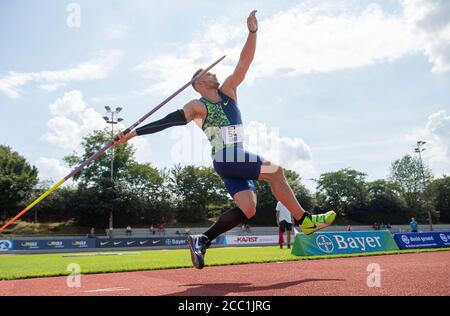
<point x="419" y="149"/>
<point x="111" y="118"/>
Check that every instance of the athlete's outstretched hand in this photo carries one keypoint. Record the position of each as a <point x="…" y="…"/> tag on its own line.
<point x="122" y="139"/>
<point x="252" y="22"/>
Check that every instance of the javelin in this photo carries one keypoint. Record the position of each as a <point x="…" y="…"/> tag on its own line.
<point x="107" y="146"/>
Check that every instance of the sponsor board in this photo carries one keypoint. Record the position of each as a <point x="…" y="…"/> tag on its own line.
<point x="149" y="242"/>
<point x="252" y="240"/>
<point x="129" y="242"/>
<point x="422" y="240"/>
<point x="46" y="244"/>
<point x="329" y="243"/>
<point x="6" y="245"/>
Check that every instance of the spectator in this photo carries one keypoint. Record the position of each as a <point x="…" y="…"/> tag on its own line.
<point x="375" y="226"/>
<point x="413" y="225"/>
<point x="91" y="233"/>
<point x="246" y="228"/>
<point x="349" y="228"/>
<point x="284" y="223"/>
<point x="162" y="229"/>
<point x="388" y="226"/>
<point x="152" y="230"/>
<point x="128" y="230"/>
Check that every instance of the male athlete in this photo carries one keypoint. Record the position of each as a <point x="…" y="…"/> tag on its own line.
<point x="218" y="115"/>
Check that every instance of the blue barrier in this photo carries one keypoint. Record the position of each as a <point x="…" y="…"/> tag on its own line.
<point x="422" y="240"/>
<point x="149" y="242"/>
<point x="46" y="244"/>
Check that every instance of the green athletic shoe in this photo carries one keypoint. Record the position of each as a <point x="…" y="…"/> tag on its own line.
<point x="313" y="223"/>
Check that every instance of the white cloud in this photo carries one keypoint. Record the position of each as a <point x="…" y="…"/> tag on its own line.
<point x="331" y="37"/>
<point x="312" y="37"/>
<point x="51" y="169"/>
<point x="96" y="68"/>
<point x="291" y="153"/>
<point x="9" y="84"/>
<point x="71" y="103"/>
<point x="430" y="20"/>
<point x="438" y="131"/>
<point x="51" y="86"/>
<point x="73" y="119"/>
<point x="437" y="135"/>
<point x="143" y="149"/>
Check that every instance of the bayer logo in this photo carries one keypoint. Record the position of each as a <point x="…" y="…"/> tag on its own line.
<point x="324" y="243"/>
<point x="405" y="239"/>
<point x="443" y="237"/>
<point x="5" y="245"/>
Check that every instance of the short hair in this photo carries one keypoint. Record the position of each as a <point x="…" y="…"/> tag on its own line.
<point x="195" y="74"/>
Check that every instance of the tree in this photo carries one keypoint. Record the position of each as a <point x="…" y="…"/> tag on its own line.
<point x="386" y="204"/>
<point x="100" y="169"/>
<point x="198" y="190"/>
<point x="343" y="191"/>
<point x="132" y="192"/>
<point x="441" y="196"/>
<point x="17" y="179"/>
<point x="413" y="179"/>
<point x="58" y="206"/>
<point x="148" y="196"/>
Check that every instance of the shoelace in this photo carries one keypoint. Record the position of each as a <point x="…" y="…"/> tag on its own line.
<point x="320" y="218"/>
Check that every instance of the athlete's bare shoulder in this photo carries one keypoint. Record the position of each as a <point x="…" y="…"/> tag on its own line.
<point x="194" y="109"/>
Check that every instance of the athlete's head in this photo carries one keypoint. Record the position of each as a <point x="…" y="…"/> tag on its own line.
<point x="205" y="82"/>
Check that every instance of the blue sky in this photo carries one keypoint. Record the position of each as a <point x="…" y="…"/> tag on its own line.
<point x="334" y="84"/>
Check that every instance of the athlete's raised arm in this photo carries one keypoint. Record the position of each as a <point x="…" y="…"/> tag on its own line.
<point x="246" y="57"/>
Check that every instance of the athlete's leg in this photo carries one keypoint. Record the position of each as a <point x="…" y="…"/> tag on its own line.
<point x="289" y="229"/>
<point x="274" y="175"/>
<point x="225" y="222"/>
<point x="246" y="201"/>
<point x="246" y="209"/>
<point x="198" y="244"/>
<point x="281" y="189"/>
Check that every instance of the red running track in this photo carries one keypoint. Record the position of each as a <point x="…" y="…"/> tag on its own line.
<point x="405" y="274"/>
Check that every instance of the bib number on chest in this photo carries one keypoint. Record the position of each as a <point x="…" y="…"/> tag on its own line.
<point x="232" y="134"/>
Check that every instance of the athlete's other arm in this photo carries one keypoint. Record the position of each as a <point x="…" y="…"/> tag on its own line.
<point x="191" y="111"/>
<point x="248" y="52"/>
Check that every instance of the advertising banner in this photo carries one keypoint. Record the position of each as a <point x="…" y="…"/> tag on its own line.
<point x="6" y="245"/>
<point x="252" y="240"/>
<point x="129" y="242"/>
<point x="331" y="243"/>
<point x="148" y="242"/>
<point x="422" y="240"/>
<point x="45" y="244"/>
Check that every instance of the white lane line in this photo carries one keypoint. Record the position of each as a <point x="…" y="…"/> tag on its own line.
<point x="112" y="289"/>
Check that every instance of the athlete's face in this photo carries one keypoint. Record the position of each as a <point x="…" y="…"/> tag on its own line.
<point x="210" y="81"/>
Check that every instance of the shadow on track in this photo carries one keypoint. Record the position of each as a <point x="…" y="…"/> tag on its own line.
<point x="221" y="289"/>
